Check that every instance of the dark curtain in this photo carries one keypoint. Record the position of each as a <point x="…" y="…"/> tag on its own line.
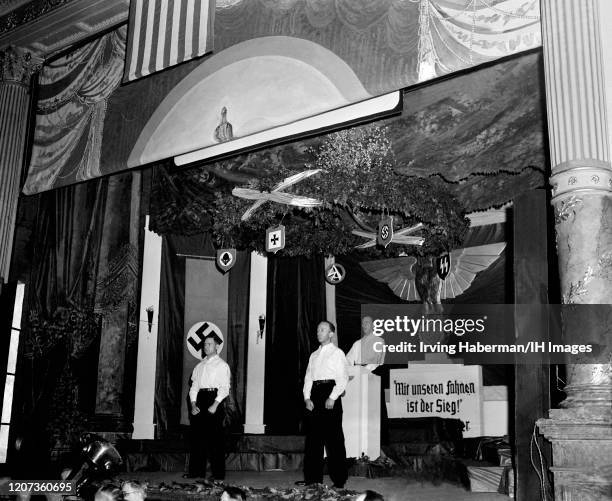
<point x="170" y="334"/>
<point x="357" y="289"/>
<point x="295" y="305"/>
<point x="237" y="335"/>
<point x="83" y="272"/>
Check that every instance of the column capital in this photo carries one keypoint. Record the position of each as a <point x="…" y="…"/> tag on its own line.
<point x="581" y="176"/>
<point x="17" y="65"/>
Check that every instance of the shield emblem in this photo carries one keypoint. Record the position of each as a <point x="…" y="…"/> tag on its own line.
<point x="385" y="231"/>
<point x="275" y="239"/>
<point x="335" y="273"/>
<point x="226" y="258"/>
<point x="443" y="265"/>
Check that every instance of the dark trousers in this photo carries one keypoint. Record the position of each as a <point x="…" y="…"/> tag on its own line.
<point x="324" y="430"/>
<point x="207" y="438"/>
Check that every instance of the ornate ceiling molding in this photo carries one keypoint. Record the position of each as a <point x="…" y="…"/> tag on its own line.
<point x="7" y="6"/>
<point x="46" y="27"/>
<point x="17" y="12"/>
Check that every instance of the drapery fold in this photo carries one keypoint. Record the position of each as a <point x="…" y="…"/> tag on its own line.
<point x="295" y="306"/>
<point x="83" y="275"/>
<point x="169" y="369"/>
<point x="237" y="334"/>
<point x="71" y="112"/>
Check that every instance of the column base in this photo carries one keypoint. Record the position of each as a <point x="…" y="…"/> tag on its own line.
<point x="255" y="428"/>
<point x="143" y="431"/>
<point x="582" y="450"/>
<point x="581" y="485"/>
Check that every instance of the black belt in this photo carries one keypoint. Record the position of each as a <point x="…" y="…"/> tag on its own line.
<point x="208" y="389"/>
<point x="323" y="381"/>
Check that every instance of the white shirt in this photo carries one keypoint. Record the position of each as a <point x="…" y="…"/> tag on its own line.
<point x="362" y="352"/>
<point x="212" y="372"/>
<point x="328" y="362"/>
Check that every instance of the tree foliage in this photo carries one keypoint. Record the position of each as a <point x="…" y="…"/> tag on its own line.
<point x="358" y="184"/>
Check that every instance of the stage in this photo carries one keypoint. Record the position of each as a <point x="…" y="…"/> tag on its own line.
<point x="393" y="488"/>
<point x="428" y="460"/>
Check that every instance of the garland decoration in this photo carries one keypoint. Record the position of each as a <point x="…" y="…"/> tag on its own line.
<point x="357" y="183"/>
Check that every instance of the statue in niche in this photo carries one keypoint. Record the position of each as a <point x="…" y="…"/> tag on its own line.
<point x="224" y="131"/>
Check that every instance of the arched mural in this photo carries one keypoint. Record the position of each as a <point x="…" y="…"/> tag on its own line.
<point x="261" y="83"/>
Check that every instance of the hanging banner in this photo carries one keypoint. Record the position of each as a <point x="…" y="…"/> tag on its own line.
<point x="275" y="239"/>
<point x="443" y="264"/>
<point x="335" y="273"/>
<point x="184" y="31"/>
<point x="447" y="391"/>
<point x="385" y="231"/>
<point x="226" y="258"/>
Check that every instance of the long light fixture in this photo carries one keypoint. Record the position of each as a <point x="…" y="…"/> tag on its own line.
<point x="11" y="368"/>
<point x="340" y="117"/>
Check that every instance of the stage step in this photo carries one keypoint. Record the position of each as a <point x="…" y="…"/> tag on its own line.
<point x="244" y="453"/>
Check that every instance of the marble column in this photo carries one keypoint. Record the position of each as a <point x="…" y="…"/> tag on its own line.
<point x="581" y="430"/>
<point x="16" y="69"/>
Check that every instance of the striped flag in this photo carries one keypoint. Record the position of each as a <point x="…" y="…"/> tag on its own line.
<point x="163" y="33"/>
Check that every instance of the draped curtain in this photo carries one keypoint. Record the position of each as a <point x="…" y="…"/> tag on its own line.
<point x="71" y="111"/>
<point x="237" y="334"/>
<point x="296" y="304"/>
<point x="169" y="369"/>
<point x="399" y="42"/>
<point x="83" y="274"/>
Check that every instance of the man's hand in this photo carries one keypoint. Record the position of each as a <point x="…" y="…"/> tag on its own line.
<point x="213" y="408"/>
<point x="194" y="409"/>
<point x="309" y="404"/>
<point x="329" y="403"/>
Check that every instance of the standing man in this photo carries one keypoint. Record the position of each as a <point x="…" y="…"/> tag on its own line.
<point x="324" y="383"/>
<point x="363" y="352"/>
<point x="210" y="385"/>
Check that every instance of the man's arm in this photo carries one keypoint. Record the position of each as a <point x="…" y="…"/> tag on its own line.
<point x="193" y="391"/>
<point x="224" y="383"/>
<point x="308" y="380"/>
<point x="341" y="377"/>
<point x="195" y="384"/>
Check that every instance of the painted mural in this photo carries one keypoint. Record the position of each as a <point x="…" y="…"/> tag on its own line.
<point x="276" y="62"/>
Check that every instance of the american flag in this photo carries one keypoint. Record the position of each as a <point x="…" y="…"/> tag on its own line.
<point x="163" y="33"/>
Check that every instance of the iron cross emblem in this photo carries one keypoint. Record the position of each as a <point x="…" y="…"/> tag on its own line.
<point x="275" y="239"/>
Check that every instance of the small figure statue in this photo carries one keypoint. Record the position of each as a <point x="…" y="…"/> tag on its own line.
<point x="224" y="131"/>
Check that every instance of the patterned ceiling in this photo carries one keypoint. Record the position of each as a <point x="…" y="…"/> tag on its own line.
<point x="7" y="6"/>
<point x="46" y="27"/>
